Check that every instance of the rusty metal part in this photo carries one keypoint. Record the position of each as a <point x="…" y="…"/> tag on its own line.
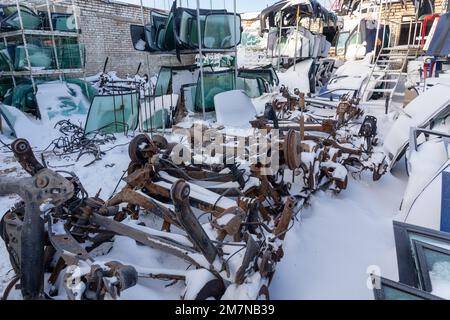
<point x="134" y="198"/>
<point x="292" y="150"/>
<point x="333" y="143"/>
<point x="232" y="227"/>
<point x="328" y="170"/>
<point x="45" y="185"/>
<point x="285" y="218"/>
<point x="165" y="244"/>
<point x="67" y="247"/>
<point x="141" y="149"/>
<point x="25" y="156"/>
<point x="139" y="177"/>
<point x="214" y="288"/>
<point x="326" y="126"/>
<point x="160" y="191"/>
<point x="251" y="252"/>
<point x="180" y="196"/>
<point x="160" y="141"/>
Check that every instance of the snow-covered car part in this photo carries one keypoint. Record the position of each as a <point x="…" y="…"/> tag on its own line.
<point x="81" y="230"/>
<point x="424" y="202"/>
<point x="44" y="186"/>
<point x="437" y="100"/>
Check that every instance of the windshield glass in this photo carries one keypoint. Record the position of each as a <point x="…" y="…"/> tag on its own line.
<point x="340" y="45"/>
<point x="113" y="113"/>
<point x="221" y="31"/>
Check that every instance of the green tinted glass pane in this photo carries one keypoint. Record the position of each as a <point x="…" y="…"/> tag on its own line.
<point x="214" y="83"/>
<point x="22" y="97"/>
<point x="189" y="92"/>
<point x="189" y="29"/>
<point x="70" y="56"/>
<point x="4" y="65"/>
<point x="250" y="86"/>
<point x="395" y="294"/>
<point x="438" y="265"/>
<point x="156" y="121"/>
<point x="63" y="22"/>
<point x="186" y="33"/>
<point x="340" y="46"/>
<point x="265" y="74"/>
<point x="161" y="38"/>
<point x="6" y="84"/>
<point x="9" y="10"/>
<point x="221" y="31"/>
<point x="169" y="40"/>
<point x="10" y="119"/>
<point x="113" y="114"/>
<point x="163" y="82"/>
<point x="86" y="87"/>
<point x="40" y="57"/>
<point x="30" y="20"/>
<point x="355" y="38"/>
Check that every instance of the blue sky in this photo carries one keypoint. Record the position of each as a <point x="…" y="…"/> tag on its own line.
<point x="242" y="5"/>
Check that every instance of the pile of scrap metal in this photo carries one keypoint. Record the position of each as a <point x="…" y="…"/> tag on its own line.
<point x="288" y="39"/>
<point x="328" y="141"/>
<point x="231" y="255"/>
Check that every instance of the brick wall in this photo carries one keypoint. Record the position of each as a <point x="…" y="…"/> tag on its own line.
<point x="105" y="31"/>
<point x="397" y="13"/>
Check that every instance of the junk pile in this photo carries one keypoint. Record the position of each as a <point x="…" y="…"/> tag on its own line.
<point x="287" y="38"/>
<point x="227" y="224"/>
<point x="237" y="249"/>
<point x="322" y="143"/>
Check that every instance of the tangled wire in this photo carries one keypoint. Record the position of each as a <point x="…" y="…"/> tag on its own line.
<point x="74" y="140"/>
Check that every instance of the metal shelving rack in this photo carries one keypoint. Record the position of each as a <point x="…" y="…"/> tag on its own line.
<point x="52" y="33"/>
<point x="200" y="50"/>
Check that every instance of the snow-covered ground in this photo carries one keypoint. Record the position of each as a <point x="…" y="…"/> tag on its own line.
<point x="341" y="239"/>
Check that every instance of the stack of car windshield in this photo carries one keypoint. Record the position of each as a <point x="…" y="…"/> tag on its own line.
<point x="178" y="30"/>
<point x="41" y="52"/>
<point x="10" y="18"/>
<point x="268" y="73"/>
<point x="186" y="81"/>
<point x="113" y="113"/>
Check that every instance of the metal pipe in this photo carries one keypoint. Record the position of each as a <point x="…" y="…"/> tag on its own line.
<point x="378" y="30"/>
<point x="55" y="52"/>
<point x="296" y="36"/>
<point x="27" y="55"/>
<point x="235" y="47"/>
<point x="200" y="51"/>
<point x="279" y="41"/>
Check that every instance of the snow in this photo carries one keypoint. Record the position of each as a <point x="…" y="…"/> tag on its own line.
<point x="297" y="78"/>
<point x="328" y="253"/>
<point x="440" y="279"/>
<point x="424" y="165"/>
<point x="234" y="109"/>
<point x="351" y="75"/>
<point x="416" y="114"/>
